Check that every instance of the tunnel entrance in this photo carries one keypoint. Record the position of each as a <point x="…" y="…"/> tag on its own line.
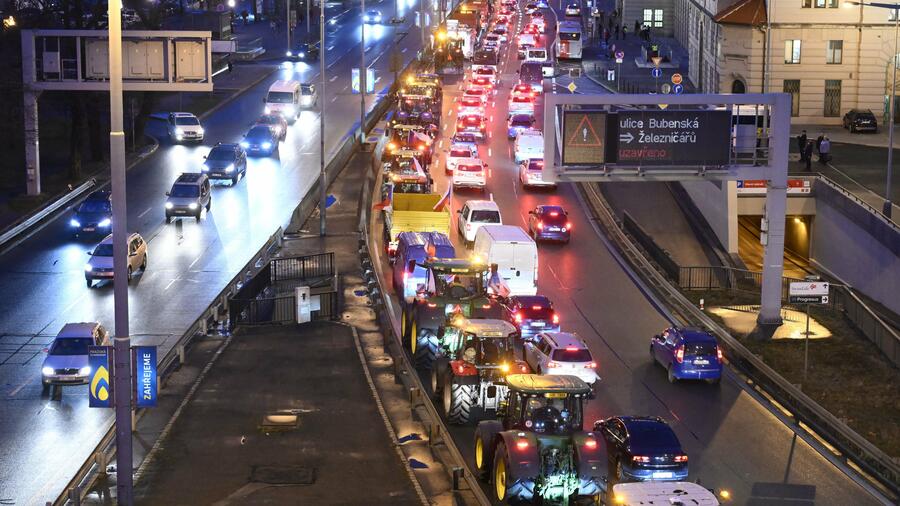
<point x="797" y="231"/>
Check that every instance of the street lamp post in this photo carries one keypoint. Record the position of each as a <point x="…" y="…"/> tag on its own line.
<point x="362" y="74"/>
<point x="322" y="182"/>
<point x="122" y="342"/>
<point x="888" y="205"/>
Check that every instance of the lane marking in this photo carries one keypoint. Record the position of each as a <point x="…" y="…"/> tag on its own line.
<point x="333" y="79"/>
<point x="145" y="212"/>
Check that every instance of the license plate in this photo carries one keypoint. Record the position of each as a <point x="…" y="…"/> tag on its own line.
<point x="537" y="324"/>
<point x="88" y="229"/>
<point x="663" y="474"/>
<point x="701" y="361"/>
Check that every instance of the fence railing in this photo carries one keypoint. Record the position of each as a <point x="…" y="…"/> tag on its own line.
<point x="727" y="278"/>
<point x="304" y="267"/>
<point x="874" y="328"/>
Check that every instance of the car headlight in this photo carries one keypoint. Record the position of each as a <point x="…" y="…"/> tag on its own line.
<point x="47" y="371"/>
<point x="266" y="145"/>
<point x="245" y="144"/>
<point x="229" y="168"/>
<point x="192" y="205"/>
<point x="88" y="268"/>
<point x="74" y="223"/>
<point x="205" y="168"/>
<point x="289" y="110"/>
<point x="179" y="131"/>
<point x="267" y="110"/>
<point x="84" y="371"/>
<point x="365" y="18"/>
<point x="290" y="54"/>
<point x="302" y="54"/>
<point x="201" y="131"/>
<point x="105" y="223"/>
<point x="169" y="205"/>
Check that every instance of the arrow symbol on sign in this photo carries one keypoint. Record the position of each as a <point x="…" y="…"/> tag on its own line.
<point x="627" y="137"/>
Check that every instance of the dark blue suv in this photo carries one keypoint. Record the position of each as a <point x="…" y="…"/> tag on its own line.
<point x="93" y="216"/>
<point x="688" y="353"/>
<point x="642" y="448"/>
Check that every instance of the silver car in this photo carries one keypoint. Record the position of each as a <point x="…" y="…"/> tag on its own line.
<point x="100" y="267"/>
<point x="67" y="356"/>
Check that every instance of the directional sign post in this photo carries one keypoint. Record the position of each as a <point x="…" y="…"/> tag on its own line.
<point x="677" y="138"/>
<point x="811" y="291"/>
<point x="620" y="57"/>
<point x="678" y="89"/>
<point x="656" y="73"/>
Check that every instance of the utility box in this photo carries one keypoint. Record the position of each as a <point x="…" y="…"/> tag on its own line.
<point x="97" y="54"/>
<point x="144" y="59"/>
<point x="304" y="305"/>
<point x="190" y="60"/>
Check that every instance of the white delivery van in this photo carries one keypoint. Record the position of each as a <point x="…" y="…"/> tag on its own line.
<point x="529" y="144"/>
<point x="515" y="254"/>
<point x="284" y="98"/>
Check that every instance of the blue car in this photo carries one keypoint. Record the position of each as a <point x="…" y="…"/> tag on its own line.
<point x="93" y="216"/>
<point x="260" y="141"/>
<point x="642" y="448"/>
<point x="532" y="314"/>
<point x="688" y="353"/>
<point x="519" y="122"/>
<point x="549" y="223"/>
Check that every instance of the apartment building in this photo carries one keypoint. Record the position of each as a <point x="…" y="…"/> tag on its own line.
<point x="831" y="56"/>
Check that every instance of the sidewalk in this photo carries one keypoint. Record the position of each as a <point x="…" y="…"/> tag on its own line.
<point x="634" y="73"/>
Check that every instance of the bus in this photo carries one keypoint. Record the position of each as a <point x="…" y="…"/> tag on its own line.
<point x="568" y="40"/>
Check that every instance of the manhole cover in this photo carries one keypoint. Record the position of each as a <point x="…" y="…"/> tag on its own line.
<point x="283" y="475"/>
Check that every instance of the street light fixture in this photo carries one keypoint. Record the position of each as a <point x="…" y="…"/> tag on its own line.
<point x="886" y="209"/>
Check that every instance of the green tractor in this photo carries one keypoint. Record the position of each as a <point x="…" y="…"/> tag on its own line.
<point x="452" y="286"/>
<point x="470" y="378"/>
<point x="537" y="451"/>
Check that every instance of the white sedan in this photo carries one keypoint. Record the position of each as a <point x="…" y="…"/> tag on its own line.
<point x="459" y="152"/>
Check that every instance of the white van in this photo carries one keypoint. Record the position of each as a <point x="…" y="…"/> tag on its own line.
<point x="529" y="144"/>
<point x="284" y="98"/>
<point x="515" y="254"/>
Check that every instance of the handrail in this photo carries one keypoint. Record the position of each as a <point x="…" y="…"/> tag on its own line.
<point x="847" y="193"/>
<point x="39" y="216"/>
<point x="874" y="463"/>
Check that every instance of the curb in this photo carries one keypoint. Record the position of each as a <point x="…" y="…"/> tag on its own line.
<point x="596" y="81"/>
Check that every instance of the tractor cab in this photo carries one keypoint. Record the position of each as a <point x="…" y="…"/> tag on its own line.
<point x="403" y="136"/>
<point x="406" y="175"/>
<point x="550" y="405"/>
<point x="417" y="109"/>
<point x="480" y="344"/>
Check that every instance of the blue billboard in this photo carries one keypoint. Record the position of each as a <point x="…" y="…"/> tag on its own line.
<point x="100" y="384"/>
<point x="145" y="376"/>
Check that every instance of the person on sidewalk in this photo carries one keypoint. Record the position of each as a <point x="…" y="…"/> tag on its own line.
<point x="819" y="140"/>
<point x="807" y="155"/>
<point x="802" y="139"/>
<point x="825" y="151"/>
<point x="617" y="32"/>
<point x="624" y="30"/>
<point x="606" y="36"/>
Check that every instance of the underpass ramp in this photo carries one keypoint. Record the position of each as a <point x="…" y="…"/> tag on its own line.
<point x="285" y="416"/>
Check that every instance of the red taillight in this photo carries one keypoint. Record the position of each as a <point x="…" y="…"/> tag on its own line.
<point x="522" y="444"/>
<point x="681" y="458"/>
<point x="556" y="319"/>
<point x="640" y="459"/>
<point x="719" y="354"/>
<point x="554" y="213"/>
<point x="679" y="354"/>
<point x="592" y="365"/>
<point x="540" y="225"/>
<point x="568" y="226"/>
<point x="518" y="317"/>
<point x="571" y="348"/>
<point x="461" y="369"/>
<point x="405" y="276"/>
<point x="536" y="308"/>
<point x="590" y="444"/>
<point x="459" y="125"/>
<point x="431" y="304"/>
<point x="486" y="306"/>
<point x="458" y="108"/>
<point x="553" y="365"/>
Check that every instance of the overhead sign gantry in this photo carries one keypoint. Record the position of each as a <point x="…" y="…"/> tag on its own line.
<point x="693" y="137"/>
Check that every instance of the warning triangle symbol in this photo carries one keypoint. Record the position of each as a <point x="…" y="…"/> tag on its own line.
<point x="584" y="135"/>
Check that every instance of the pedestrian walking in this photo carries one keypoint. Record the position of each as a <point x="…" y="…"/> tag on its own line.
<point x="801" y="145"/>
<point x="606" y="36"/>
<point x="825" y="151"/>
<point x="819" y="140"/>
<point x="807" y="154"/>
<point x="624" y="30"/>
<point x="637" y="25"/>
<point x="617" y="32"/>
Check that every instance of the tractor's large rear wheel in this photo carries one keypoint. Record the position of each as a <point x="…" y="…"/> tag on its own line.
<point x="425" y="348"/>
<point x="404" y="329"/>
<point x="458" y="401"/>
<point x="507" y="487"/>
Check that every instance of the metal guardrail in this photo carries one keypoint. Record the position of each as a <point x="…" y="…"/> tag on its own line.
<point x="876" y="467"/>
<point x="302" y="267"/>
<point x="95" y="465"/>
<point x="867" y="321"/>
<point x="217" y="311"/>
<point x="39" y="216"/>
